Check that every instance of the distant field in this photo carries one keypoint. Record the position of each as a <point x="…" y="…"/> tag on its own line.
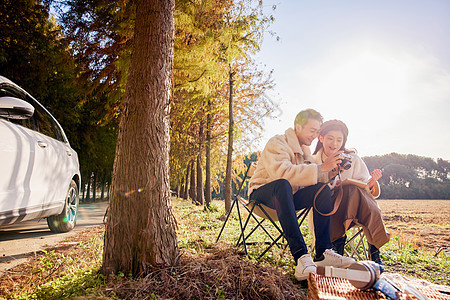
<point x="425" y="223"/>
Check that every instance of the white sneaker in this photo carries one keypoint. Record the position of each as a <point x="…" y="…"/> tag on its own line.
<point x="331" y="258"/>
<point x="305" y="265"/>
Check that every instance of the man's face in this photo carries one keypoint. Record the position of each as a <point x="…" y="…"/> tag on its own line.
<point x="307" y="133"/>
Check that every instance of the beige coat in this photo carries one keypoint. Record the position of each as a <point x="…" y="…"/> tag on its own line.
<point x="283" y="158"/>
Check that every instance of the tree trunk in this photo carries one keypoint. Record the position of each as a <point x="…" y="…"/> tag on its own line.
<point x="208" y="157"/>
<point x="230" y="146"/>
<point x="200" y="192"/>
<point x="178" y="187"/>
<point x="102" y="183"/>
<point x="186" y="182"/>
<point x="193" y="188"/>
<point x="140" y="231"/>
<point x="88" y="190"/>
<point x="94" y="187"/>
<point x="83" y="191"/>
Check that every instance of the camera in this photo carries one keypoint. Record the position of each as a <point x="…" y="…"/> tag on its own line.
<point x="346" y="161"/>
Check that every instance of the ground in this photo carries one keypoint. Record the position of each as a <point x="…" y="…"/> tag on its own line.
<point x="207" y="269"/>
<point x="423" y="223"/>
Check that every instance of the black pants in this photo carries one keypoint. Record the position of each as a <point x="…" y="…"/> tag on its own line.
<point x="278" y="195"/>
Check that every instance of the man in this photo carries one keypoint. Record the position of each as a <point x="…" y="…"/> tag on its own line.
<point x="287" y="179"/>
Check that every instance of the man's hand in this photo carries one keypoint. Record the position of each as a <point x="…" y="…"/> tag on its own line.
<point x="332" y="162"/>
<point x="306" y="150"/>
<point x="376" y="174"/>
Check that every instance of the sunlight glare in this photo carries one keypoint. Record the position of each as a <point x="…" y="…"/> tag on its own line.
<point x="366" y="81"/>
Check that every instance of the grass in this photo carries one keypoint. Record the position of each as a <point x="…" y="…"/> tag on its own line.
<point x="208" y="269"/>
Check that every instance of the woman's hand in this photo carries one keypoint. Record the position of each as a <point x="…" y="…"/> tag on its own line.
<point x="332" y="162"/>
<point x="376" y="174"/>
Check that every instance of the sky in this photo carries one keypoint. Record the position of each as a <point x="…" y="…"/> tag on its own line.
<point x="382" y="67"/>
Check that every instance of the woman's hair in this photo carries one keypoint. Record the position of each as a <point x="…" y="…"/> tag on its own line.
<point x="330" y="126"/>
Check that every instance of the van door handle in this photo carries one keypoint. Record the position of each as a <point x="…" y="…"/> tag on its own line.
<point x="42" y="144"/>
<point x="68" y="153"/>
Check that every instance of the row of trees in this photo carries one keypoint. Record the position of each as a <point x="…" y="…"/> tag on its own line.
<point x="100" y="61"/>
<point x="76" y="63"/>
<point x="411" y="176"/>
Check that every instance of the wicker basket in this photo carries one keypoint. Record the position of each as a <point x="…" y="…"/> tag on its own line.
<point x="321" y="287"/>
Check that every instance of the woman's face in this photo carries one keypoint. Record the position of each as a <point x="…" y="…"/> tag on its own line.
<point x="332" y="141"/>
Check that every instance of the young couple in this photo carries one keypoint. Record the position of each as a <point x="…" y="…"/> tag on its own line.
<point x="288" y="177"/>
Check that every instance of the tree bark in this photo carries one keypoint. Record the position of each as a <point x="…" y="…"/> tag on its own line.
<point x="83" y="192"/>
<point x="88" y="190"/>
<point x="193" y="187"/>
<point x="178" y="187"/>
<point x="208" y="157"/>
<point x="140" y="231"/>
<point x="186" y="182"/>
<point x="230" y="145"/>
<point x="94" y="187"/>
<point x="200" y="193"/>
<point x="102" y="183"/>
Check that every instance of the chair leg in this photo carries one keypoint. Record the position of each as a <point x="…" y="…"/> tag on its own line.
<point x="302" y="215"/>
<point x="242" y="229"/>
<point x="226" y="220"/>
<point x="259" y="224"/>
<point x="354" y="244"/>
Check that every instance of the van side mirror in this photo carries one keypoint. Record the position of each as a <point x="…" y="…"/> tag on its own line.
<point x="15" y="108"/>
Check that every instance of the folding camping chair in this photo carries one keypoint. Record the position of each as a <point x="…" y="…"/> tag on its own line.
<point x="356" y="245"/>
<point x="258" y="212"/>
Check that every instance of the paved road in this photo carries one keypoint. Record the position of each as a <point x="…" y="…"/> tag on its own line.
<point x="19" y="241"/>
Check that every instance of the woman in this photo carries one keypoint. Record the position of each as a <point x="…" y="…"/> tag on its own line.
<point x="358" y="205"/>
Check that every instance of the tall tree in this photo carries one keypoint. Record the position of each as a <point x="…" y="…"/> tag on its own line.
<point x="140" y="231"/>
<point x="208" y="157"/>
<point x="228" y="187"/>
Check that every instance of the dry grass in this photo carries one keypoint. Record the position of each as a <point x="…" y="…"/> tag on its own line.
<point x="221" y="273"/>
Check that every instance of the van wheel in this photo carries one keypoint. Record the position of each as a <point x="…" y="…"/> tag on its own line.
<point x="66" y="220"/>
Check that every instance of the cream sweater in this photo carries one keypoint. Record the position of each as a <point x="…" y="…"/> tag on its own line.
<point x="283" y="158"/>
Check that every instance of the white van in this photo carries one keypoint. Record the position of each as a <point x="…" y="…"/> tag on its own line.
<point x="39" y="171"/>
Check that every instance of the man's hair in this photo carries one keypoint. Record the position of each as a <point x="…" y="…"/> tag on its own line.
<point x="303" y="116"/>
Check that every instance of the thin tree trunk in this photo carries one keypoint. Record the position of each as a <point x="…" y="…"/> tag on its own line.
<point x="193" y="188"/>
<point x="83" y="191"/>
<point x="140" y="231"/>
<point x="186" y="182"/>
<point x="102" y="183"/>
<point x="88" y="190"/>
<point x="230" y="146"/>
<point x="200" y="192"/>
<point x="208" y="157"/>
<point x="178" y="187"/>
<point x="182" y="188"/>
<point x="94" y="187"/>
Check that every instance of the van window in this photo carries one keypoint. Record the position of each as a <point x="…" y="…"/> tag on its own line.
<point x="8" y="91"/>
<point x="44" y="122"/>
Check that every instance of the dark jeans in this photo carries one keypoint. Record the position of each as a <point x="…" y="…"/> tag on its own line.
<point x="278" y="195"/>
